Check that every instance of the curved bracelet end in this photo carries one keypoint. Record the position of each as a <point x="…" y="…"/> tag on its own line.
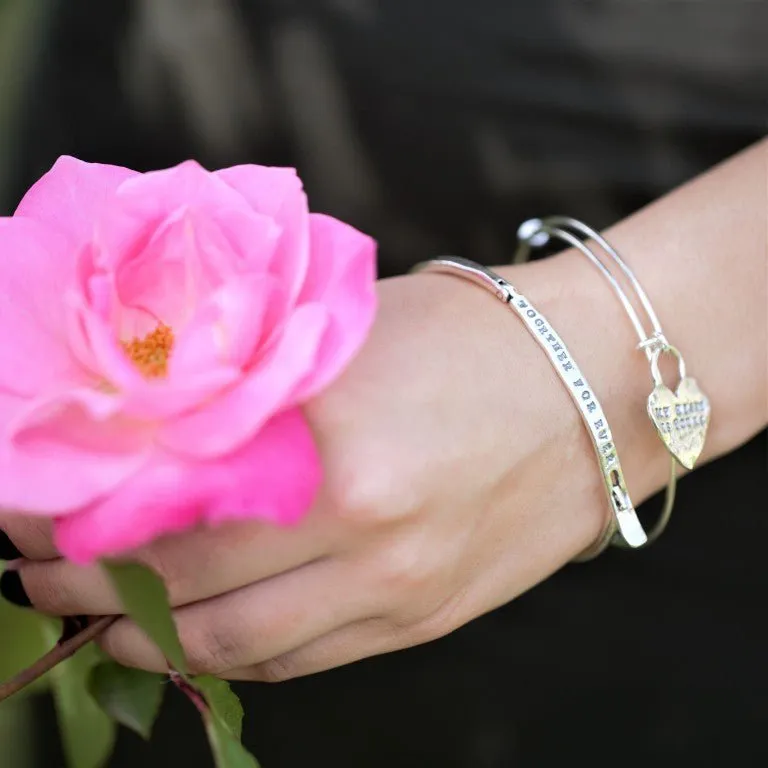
<point x="531" y="232"/>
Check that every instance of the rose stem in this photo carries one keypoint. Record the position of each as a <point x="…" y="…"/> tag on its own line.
<point x="55" y="656"/>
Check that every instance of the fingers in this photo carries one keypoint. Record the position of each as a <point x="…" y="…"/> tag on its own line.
<point x="32" y="536"/>
<point x="372" y="636"/>
<point x="252" y="624"/>
<point x="356" y="641"/>
<point x="195" y="566"/>
<point x="353" y="642"/>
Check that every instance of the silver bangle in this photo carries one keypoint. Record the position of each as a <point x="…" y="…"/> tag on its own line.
<point x="680" y="417"/>
<point x="624" y="527"/>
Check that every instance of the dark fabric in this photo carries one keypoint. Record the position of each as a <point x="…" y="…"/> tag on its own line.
<point x="437" y="126"/>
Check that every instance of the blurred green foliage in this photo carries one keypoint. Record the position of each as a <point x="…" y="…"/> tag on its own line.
<point x="24" y="637"/>
<point x="22" y="33"/>
<point x="87" y="732"/>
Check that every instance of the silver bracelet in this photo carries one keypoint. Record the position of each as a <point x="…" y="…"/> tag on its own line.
<point x="624" y="527"/>
<point x="680" y="417"/>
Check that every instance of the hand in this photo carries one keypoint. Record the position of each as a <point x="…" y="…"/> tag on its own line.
<point x="458" y="475"/>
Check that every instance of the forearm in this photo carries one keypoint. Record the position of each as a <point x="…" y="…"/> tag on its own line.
<point x="700" y="253"/>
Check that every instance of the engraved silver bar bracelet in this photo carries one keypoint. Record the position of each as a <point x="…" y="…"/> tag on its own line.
<point x="624" y="527"/>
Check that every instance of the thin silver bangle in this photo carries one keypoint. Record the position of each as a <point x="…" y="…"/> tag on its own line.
<point x="623" y="527"/>
<point x="680" y="417"/>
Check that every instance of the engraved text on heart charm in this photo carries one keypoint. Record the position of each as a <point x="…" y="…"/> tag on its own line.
<point x="681" y="418"/>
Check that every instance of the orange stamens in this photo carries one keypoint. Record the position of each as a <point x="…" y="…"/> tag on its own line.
<point x="150" y="354"/>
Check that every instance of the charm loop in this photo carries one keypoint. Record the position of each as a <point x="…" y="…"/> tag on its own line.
<point x="657" y="340"/>
<point x="656" y="354"/>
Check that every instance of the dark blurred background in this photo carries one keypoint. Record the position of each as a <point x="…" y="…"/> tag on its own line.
<point x="437" y="126"/>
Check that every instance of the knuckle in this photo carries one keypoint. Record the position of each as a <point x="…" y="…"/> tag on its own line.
<point x="426" y="631"/>
<point x="214" y="648"/>
<point x="439" y="623"/>
<point x="364" y="494"/>
<point x="277" y="670"/>
<point x="404" y="567"/>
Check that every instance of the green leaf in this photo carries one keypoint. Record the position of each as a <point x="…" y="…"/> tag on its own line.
<point x="87" y="733"/>
<point x="130" y="696"/>
<point x="19" y="734"/>
<point x="223" y="717"/>
<point x="222" y="702"/>
<point x="145" y="600"/>
<point x="25" y="636"/>
<point x="227" y="750"/>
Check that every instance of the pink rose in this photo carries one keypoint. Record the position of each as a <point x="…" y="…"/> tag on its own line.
<point x="159" y="333"/>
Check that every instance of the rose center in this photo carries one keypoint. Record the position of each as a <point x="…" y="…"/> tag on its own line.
<point x="150" y="354"/>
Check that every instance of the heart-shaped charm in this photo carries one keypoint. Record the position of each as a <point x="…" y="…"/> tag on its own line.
<point x="681" y="418"/>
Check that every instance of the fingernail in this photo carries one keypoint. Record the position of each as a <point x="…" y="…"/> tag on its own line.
<point x="8" y="550"/>
<point x="13" y="591"/>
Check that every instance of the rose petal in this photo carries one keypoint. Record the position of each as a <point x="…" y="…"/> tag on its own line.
<point x="143" y="203"/>
<point x="341" y="276"/>
<point x="71" y="196"/>
<point x="274" y="477"/>
<point x="60" y="453"/>
<point x="186" y="259"/>
<point x="233" y="418"/>
<point x="152" y="196"/>
<point x="279" y="194"/>
<point x="162" y="281"/>
<point x="36" y="265"/>
<point x="230" y="325"/>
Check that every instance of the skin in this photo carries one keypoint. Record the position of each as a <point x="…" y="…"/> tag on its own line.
<point x="458" y="473"/>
